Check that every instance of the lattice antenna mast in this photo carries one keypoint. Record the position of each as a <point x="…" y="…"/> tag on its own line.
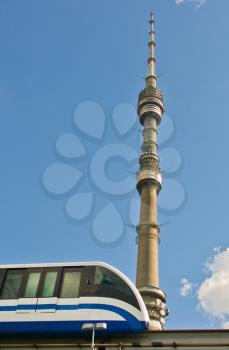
<point x="151" y="79"/>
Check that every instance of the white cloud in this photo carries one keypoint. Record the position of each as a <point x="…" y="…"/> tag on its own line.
<point x="198" y="3"/>
<point x="217" y="249"/>
<point x="225" y="324"/>
<point x="186" y="287"/>
<point x="213" y="293"/>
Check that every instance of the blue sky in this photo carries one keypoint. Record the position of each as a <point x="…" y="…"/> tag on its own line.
<point x="57" y="54"/>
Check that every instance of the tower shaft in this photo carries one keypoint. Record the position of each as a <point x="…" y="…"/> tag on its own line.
<point x="147" y="273"/>
<point x="149" y="183"/>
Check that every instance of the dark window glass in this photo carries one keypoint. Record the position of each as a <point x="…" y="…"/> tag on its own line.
<point x="70" y="284"/>
<point x="12" y="285"/>
<point x="49" y="284"/>
<point x="32" y="284"/>
<point x="2" y="274"/>
<point x="108" y="285"/>
<point x="109" y="278"/>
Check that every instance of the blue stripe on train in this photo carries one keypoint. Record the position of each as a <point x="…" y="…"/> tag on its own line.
<point x="131" y="322"/>
<point x="66" y="327"/>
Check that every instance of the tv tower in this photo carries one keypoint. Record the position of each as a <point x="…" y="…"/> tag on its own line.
<point x="149" y="183"/>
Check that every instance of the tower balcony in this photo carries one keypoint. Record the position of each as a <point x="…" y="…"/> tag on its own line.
<point x="147" y="176"/>
<point x="150" y="102"/>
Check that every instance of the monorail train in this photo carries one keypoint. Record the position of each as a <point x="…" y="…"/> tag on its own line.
<point x="61" y="298"/>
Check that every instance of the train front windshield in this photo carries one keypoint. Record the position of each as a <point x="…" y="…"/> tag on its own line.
<point x="110" y="285"/>
<point x="106" y="277"/>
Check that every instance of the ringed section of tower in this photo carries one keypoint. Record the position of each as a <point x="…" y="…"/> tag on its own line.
<point x="149" y="183"/>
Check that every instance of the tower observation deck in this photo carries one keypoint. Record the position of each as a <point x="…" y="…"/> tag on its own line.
<point x="149" y="184"/>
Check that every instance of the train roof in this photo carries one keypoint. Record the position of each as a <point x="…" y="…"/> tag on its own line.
<point x="59" y="264"/>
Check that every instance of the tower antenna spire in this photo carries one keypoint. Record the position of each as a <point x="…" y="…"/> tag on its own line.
<point x="151" y="79"/>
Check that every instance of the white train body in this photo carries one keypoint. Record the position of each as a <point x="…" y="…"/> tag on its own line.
<point x="61" y="298"/>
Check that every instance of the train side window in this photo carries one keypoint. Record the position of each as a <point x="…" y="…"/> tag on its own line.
<point x="32" y="284"/>
<point x="12" y="284"/>
<point x="70" y="284"/>
<point x="2" y="275"/>
<point x="49" y="284"/>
